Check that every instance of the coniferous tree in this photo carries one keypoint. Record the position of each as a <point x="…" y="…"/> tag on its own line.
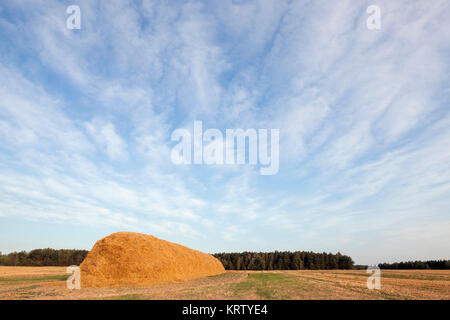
<point x="285" y="260"/>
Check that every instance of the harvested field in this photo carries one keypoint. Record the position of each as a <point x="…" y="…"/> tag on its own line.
<point x="42" y="283"/>
<point x="30" y="271"/>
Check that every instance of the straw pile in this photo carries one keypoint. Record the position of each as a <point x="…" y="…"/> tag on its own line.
<point x="135" y="259"/>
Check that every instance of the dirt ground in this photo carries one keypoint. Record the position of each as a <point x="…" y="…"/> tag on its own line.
<point x="49" y="283"/>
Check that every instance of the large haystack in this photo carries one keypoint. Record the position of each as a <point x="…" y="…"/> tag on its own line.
<point x="135" y="259"/>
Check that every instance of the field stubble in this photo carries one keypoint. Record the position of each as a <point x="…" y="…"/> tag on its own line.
<point x="48" y="283"/>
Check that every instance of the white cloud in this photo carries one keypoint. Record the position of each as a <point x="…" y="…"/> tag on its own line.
<point x="106" y="137"/>
<point x="362" y="115"/>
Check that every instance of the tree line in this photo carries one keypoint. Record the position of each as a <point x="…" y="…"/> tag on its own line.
<point x="278" y="260"/>
<point x="284" y="260"/>
<point x="430" y="264"/>
<point x="44" y="257"/>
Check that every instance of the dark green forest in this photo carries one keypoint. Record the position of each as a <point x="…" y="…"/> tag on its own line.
<point x="44" y="257"/>
<point x="278" y="260"/>
<point x="430" y="264"/>
<point x="232" y="261"/>
<point x="284" y="260"/>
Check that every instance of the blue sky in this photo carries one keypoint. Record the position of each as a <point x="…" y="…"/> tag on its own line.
<point x="86" y="118"/>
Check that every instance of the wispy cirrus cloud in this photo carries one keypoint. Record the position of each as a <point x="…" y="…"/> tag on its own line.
<point x="86" y="118"/>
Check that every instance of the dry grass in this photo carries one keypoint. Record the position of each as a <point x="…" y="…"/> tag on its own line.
<point x="130" y="259"/>
<point x="302" y="284"/>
